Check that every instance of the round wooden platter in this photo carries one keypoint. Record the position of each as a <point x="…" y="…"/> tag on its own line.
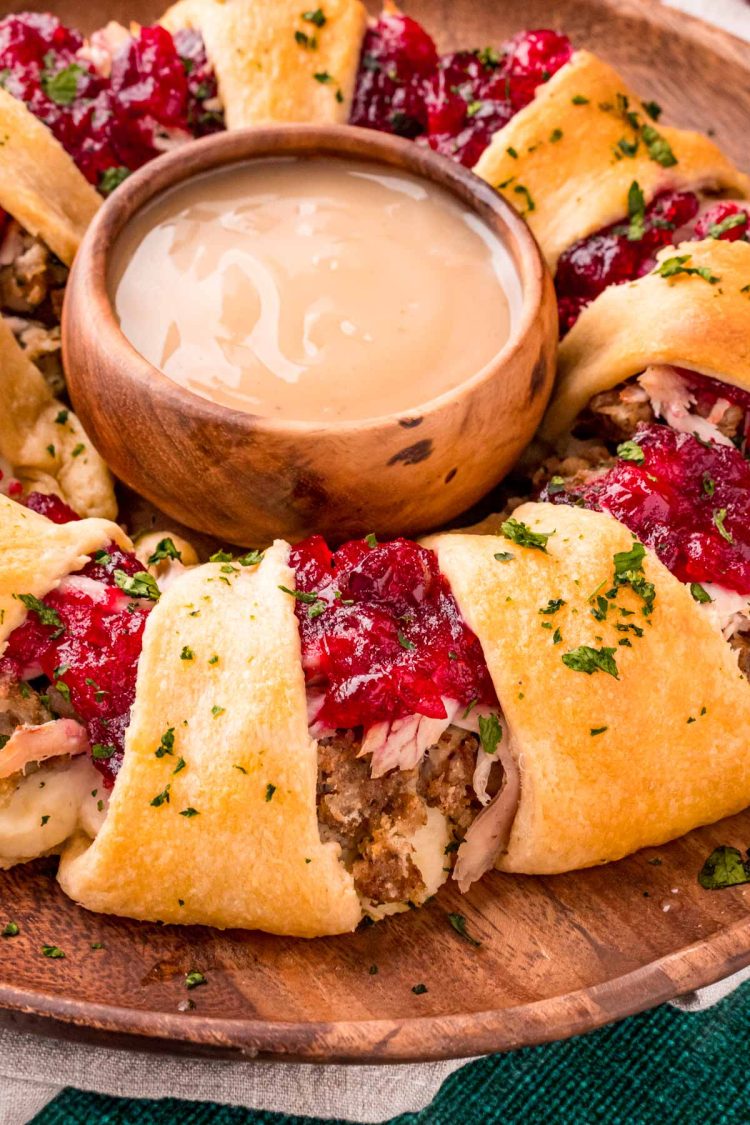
<point x="558" y="956"/>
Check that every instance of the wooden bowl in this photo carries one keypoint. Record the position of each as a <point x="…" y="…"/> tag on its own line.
<point x="246" y="479"/>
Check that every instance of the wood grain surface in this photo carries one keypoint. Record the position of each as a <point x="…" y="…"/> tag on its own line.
<point x="559" y="955"/>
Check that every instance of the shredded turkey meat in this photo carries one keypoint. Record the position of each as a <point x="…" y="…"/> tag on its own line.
<point x="32" y="280"/>
<point x="20" y="706"/>
<point x="374" y="819"/>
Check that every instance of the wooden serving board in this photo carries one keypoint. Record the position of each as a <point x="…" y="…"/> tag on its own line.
<point x="559" y="955"/>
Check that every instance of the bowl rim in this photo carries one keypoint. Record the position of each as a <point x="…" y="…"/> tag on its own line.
<point x="243" y="146"/>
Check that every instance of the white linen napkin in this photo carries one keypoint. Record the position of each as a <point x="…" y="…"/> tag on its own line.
<point x="355" y="1093"/>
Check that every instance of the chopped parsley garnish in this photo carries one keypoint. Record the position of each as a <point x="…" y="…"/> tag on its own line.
<point x="111" y="178"/>
<point x="187" y="653"/>
<point x="371" y="540"/>
<point x="301" y="596"/>
<point x="699" y="593"/>
<point x="459" y="925"/>
<point x="489" y="56"/>
<point x="629" y="572"/>
<point x="636" y="212"/>
<point x="216" y="710"/>
<point x="304" y="40"/>
<point x="490" y="733"/>
<point x="579" y="99"/>
<point x="419" y="989"/>
<point x="180" y="766"/>
<point x="101" y="752"/>
<point x="270" y="790"/>
<point x="52" y="951"/>
<point x="590" y="660"/>
<point x="62" y="88"/>
<point x="166" y="746"/>
<point x="631" y="451"/>
<point x="597" y="730"/>
<point x="530" y="205"/>
<point x="77" y="449"/>
<point x="251" y="558"/>
<point x="404" y="641"/>
<point x="213" y="659"/>
<point x="141" y="585"/>
<point x="44" y="821"/>
<point x="512" y="152"/>
<point x="315" y="16"/>
<point x="194" y="978"/>
<point x="62" y="417"/>
<point x="653" y="109"/>
<point x="519" y="532"/>
<point x="709" y="485"/>
<point x="658" y="147"/>
<point x="323" y="77"/>
<point x="555" y="486"/>
<point x="503" y="556"/>
<point x="45" y="613"/>
<point x="725" y="867"/>
<point x="673" y="267"/>
<point x="97" y="945"/>
<point x="240" y="768"/>
<point x="189" y="812"/>
<point x="555" y="136"/>
<point x="720" y="514"/>
<point x="556" y="637"/>
<point x="553" y="605"/>
<point x="165" y="549"/>
<point x="10" y="929"/>
<point x="716" y="230"/>
<point x="161" y="798"/>
<point x="220" y="557"/>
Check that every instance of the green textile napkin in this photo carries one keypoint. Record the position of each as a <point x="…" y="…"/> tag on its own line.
<point x="663" y="1066"/>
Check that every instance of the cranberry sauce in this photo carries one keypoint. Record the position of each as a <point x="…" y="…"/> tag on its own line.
<point x="686" y="499"/>
<point x="455" y="102"/>
<point x="143" y="94"/>
<point x="85" y="638"/>
<point x="382" y="636"/>
<point x="625" y="251"/>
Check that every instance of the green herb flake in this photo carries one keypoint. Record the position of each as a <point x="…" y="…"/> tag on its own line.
<point x="165" y="549"/>
<point x="597" y="730"/>
<point x="166" y="745"/>
<point x="590" y="660"/>
<point x="700" y="594"/>
<point x="316" y="17"/>
<point x="270" y="790"/>
<point x="161" y="798"/>
<point x="556" y="637"/>
<point x="503" y="556"/>
<point x="459" y="925"/>
<point x="77" y="450"/>
<point x="579" y="99"/>
<point x="53" y="951"/>
<point x="529" y="204"/>
<point x="658" y="147"/>
<point x="404" y="641"/>
<point x="251" y="558"/>
<point x="193" y="979"/>
<point x="141" y="585"/>
<point x="709" y="485"/>
<point x="716" y="230"/>
<point x="512" y="152"/>
<point x="490" y="733"/>
<point x="45" y="613"/>
<point x="102" y="752"/>
<point x="720" y="514"/>
<point x="521" y="534"/>
<point x="189" y="812"/>
<point x="180" y="765"/>
<point x="62" y="88"/>
<point x="419" y="989"/>
<point x="724" y="867"/>
<point x="216" y="710"/>
<point x="187" y="653"/>
<point x="302" y="39"/>
<point x="371" y="540"/>
<point x="111" y="178"/>
<point x="675" y="266"/>
<point x="553" y="605"/>
<point x="43" y="821"/>
<point x="61" y="417"/>
<point x="10" y="929"/>
<point x="323" y="77"/>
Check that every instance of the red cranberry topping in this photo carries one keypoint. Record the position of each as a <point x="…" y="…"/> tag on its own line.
<point x="90" y="650"/>
<point x="51" y="506"/>
<point x="455" y="102"/>
<point x="688" y="500"/>
<point x="110" y="125"/>
<point x="382" y="636"/>
<point x="726" y="220"/>
<point x="618" y="253"/>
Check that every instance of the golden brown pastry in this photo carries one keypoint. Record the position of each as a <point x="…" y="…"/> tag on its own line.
<point x="568" y="159"/>
<point x="272" y="63"/>
<point x="686" y="320"/>
<point x="609" y="761"/>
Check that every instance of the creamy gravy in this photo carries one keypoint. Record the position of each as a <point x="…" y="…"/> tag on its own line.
<point x="317" y="289"/>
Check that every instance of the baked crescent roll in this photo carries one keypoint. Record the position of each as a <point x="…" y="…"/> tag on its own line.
<point x="686" y="320"/>
<point x="272" y="63"/>
<point x="568" y="159"/>
<point x="607" y="765"/>
<point x="250" y="854"/>
<point x="40" y="185"/>
<point x="42" y="442"/>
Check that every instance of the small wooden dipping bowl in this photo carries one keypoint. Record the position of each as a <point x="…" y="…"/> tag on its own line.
<point x="246" y="479"/>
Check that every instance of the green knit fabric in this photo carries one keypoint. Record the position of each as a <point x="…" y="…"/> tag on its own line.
<point x="664" y="1066"/>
